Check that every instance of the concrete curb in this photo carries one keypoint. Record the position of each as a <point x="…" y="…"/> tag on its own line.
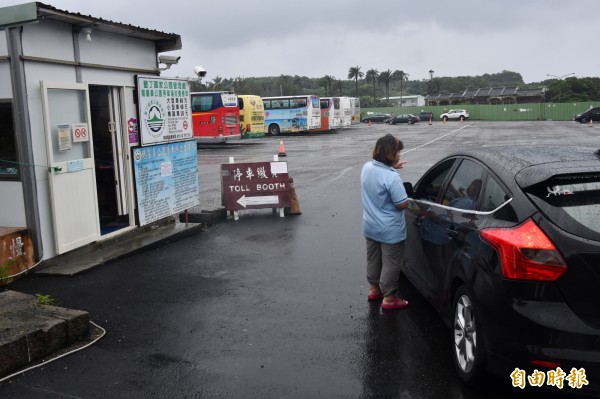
<point x="31" y="331"/>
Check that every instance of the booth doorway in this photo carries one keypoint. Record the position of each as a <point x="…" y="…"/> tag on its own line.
<point x="109" y="158"/>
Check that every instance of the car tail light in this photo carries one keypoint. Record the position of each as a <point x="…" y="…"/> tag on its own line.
<point x="526" y="253"/>
<point x="547" y="364"/>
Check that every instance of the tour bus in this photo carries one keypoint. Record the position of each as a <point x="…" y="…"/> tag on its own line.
<point x="215" y="116"/>
<point x="346" y="111"/>
<point x="292" y="114"/>
<point x="328" y="121"/>
<point x="252" y="116"/>
<point x="355" y="107"/>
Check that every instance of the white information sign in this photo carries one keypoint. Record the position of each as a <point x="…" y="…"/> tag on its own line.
<point x="166" y="179"/>
<point x="164" y="109"/>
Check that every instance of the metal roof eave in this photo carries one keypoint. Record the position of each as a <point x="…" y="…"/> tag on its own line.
<point x="163" y="41"/>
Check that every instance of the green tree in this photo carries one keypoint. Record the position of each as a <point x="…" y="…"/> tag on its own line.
<point x="385" y="77"/>
<point x="402" y="77"/>
<point x="372" y="75"/>
<point x="355" y="73"/>
<point x="327" y="81"/>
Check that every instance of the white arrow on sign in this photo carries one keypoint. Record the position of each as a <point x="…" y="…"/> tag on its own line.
<point x="259" y="200"/>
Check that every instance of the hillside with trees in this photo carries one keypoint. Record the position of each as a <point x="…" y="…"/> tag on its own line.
<point x="373" y="86"/>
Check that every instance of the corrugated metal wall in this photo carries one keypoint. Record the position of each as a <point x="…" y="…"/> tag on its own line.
<point x="502" y="112"/>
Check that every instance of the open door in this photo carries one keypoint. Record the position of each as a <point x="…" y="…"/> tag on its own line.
<point x="72" y="177"/>
<point x="109" y="157"/>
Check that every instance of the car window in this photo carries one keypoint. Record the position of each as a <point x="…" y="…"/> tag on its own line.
<point x="493" y="195"/>
<point x="464" y="190"/>
<point x="431" y="184"/>
<point x="571" y="202"/>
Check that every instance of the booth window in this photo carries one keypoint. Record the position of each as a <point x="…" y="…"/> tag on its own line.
<point x="9" y="168"/>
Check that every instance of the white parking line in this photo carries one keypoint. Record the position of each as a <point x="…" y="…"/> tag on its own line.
<point x="438" y="138"/>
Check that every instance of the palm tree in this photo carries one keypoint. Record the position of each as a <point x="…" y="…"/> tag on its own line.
<point x="385" y="77"/>
<point x="217" y="81"/>
<point x="327" y="81"/>
<point x="372" y="75"/>
<point x="401" y="76"/>
<point x="355" y="73"/>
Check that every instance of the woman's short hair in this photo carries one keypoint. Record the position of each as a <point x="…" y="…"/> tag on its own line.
<point x="386" y="148"/>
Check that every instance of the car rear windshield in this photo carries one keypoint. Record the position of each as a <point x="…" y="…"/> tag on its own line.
<point x="571" y="202"/>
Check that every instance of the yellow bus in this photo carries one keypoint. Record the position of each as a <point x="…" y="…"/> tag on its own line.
<point x="252" y="116"/>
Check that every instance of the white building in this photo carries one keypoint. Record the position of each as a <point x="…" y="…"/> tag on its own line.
<point x="69" y="122"/>
<point x="406" y="101"/>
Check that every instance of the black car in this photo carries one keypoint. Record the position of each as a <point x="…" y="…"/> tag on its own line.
<point x="504" y="242"/>
<point x="379" y="118"/>
<point x="425" y="116"/>
<point x="403" y="118"/>
<point x="592" y="114"/>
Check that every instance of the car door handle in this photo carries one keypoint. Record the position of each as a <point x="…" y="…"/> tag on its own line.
<point x="452" y="233"/>
<point x="419" y="220"/>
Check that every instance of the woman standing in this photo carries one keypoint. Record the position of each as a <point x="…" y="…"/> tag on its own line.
<point x="384" y="227"/>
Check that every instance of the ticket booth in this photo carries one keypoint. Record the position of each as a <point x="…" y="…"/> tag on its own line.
<point x="69" y="123"/>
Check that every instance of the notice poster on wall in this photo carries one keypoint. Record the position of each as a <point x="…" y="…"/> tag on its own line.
<point x="166" y="179"/>
<point x="164" y="109"/>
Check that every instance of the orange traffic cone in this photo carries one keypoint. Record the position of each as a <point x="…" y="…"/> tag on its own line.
<point x="282" y="149"/>
<point x="462" y="119"/>
<point x="370" y="123"/>
<point x="590" y="123"/>
<point x="295" y="208"/>
<point x="430" y="122"/>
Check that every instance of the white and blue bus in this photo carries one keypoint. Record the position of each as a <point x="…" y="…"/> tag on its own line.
<point x="292" y="114"/>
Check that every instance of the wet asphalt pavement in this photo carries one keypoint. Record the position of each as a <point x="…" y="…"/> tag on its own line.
<point x="269" y="307"/>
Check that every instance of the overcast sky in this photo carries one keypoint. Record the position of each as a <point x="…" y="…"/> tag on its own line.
<point x="241" y="38"/>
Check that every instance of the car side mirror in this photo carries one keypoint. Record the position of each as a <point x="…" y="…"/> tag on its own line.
<point x="408" y="187"/>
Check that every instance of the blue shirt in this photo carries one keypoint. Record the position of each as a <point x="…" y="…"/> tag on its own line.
<point x="381" y="189"/>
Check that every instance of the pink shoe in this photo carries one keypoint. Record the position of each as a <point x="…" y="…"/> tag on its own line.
<point x="397" y="304"/>
<point x="375" y="297"/>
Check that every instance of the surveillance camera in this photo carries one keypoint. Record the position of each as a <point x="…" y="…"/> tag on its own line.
<point x="168" y="59"/>
<point x="200" y="71"/>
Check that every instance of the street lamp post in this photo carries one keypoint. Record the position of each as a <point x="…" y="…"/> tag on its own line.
<point x="560" y="78"/>
<point x="431" y="80"/>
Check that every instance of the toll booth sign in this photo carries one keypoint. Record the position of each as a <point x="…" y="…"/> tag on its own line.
<point x="255" y="185"/>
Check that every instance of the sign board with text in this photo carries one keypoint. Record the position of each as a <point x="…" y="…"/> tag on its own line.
<point x="164" y="110"/>
<point x="166" y="179"/>
<point x="255" y="185"/>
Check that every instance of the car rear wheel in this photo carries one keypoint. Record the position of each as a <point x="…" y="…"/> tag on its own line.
<point x="274" y="129"/>
<point x="469" y="351"/>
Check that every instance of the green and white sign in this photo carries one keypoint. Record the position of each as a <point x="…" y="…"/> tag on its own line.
<point x="164" y="109"/>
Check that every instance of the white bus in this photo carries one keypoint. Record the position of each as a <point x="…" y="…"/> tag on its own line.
<point x="346" y="111"/>
<point x="355" y="110"/>
<point x="292" y="114"/>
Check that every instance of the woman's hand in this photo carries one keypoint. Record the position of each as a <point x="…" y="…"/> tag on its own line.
<point x="399" y="164"/>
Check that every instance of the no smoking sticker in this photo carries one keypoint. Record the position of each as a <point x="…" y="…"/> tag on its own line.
<point x="80" y="132"/>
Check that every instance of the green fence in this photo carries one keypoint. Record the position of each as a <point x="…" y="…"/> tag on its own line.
<point x="502" y="112"/>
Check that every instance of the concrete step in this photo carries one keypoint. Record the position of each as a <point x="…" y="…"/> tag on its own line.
<point x="30" y="331"/>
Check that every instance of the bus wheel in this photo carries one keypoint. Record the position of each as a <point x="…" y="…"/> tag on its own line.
<point x="274" y="129"/>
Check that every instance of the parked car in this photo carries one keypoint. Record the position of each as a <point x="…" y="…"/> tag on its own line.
<point x="592" y="114"/>
<point x="403" y="118"/>
<point x="378" y="117"/>
<point x="458" y="114"/>
<point x="504" y="242"/>
<point x="425" y="116"/>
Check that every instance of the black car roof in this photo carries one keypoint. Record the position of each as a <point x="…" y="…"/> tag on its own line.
<point x="531" y="164"/>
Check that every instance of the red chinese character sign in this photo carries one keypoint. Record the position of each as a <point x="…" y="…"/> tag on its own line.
<point x="255" y="185"/>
